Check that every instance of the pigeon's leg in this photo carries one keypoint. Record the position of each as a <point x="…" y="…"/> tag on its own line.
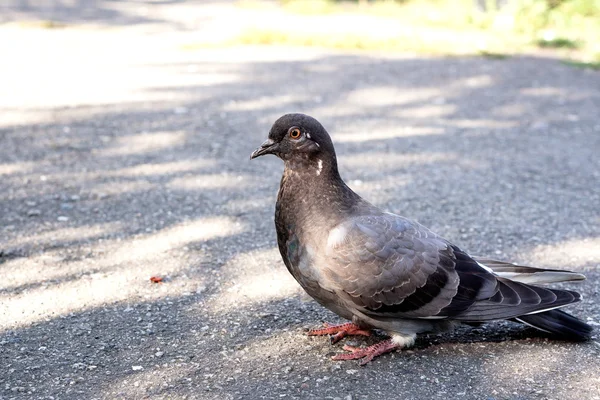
<point x="338" y="332"/>
<point x="366" y="354"/>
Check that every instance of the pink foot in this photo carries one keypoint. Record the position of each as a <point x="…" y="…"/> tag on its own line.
<point x="339" y="332"/>
<point x="367" y="353"/>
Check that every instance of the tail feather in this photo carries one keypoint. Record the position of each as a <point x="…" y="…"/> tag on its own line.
<point x="559" y="323"/>
<point x="514" y="299"/>
<point x="529" y="275"/>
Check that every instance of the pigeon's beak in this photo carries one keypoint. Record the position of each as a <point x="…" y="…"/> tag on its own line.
<point x="268" y="147"/>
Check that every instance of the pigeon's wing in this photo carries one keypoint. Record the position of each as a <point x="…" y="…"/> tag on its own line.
<point x="387" y="266"/>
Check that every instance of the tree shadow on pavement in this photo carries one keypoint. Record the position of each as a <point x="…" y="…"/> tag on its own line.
<point x="494" y="155"/>
<point x="101" y="12"/>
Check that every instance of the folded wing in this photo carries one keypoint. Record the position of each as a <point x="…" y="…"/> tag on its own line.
<point x="387" y="266"/>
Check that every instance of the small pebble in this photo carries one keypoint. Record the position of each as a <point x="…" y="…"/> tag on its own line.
<point x="62" y="218"/>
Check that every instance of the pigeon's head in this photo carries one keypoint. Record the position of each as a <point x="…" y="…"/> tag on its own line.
<point x="297" y="137"/>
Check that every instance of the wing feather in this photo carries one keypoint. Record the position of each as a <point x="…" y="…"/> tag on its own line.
<point x="531" y="275"/>
<point x="386" y="266"/>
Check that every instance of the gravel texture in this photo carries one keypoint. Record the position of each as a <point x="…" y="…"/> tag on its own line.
<point x="124" y="156"/>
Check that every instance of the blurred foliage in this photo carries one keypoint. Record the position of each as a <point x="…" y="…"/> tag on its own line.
<point x="571" y="28"/>
<point x="558" y="43"/>
<point x="573" y="15"/>
<point x="527" y="15"/>
<point x="594" y="65"/>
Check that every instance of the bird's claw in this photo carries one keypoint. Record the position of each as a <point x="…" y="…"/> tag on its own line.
<point x="338" y="332"/>
<point x="366" y="354"/>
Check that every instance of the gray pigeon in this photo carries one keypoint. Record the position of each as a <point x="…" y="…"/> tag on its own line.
<point x="381" y="270"/>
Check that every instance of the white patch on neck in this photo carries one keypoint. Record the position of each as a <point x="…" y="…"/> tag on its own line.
<point x="320" y="167"/>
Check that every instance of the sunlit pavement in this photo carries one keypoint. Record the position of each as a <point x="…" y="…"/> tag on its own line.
<point x="124" y="155"/>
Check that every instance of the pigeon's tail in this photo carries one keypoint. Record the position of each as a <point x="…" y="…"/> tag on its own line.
<point x="559" y="323"/>
<point x="529" y="275"/>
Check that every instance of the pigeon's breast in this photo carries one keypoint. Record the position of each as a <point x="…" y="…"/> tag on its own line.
<point x="306" y="267"/>
<point x="303" y="260"/>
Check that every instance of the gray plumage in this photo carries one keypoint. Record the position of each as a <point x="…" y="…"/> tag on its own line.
<point x="381" y="270"/>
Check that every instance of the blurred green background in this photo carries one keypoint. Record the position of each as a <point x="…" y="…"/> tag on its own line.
<point x="495" y="28"/>
<point x="565" y="29"/>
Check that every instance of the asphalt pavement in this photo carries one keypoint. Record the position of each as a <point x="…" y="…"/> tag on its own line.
<point x="124" y="155"/>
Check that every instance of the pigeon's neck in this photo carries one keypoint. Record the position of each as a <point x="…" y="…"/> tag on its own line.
<point x="312" y="194"/>
<point x="314" y="176"/>
<point x="312" y="168"/>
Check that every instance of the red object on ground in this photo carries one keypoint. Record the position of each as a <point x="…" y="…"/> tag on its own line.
<point x="156" y="279"/>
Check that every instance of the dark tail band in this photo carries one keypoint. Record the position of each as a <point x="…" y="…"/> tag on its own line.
<point x="558" y="323"/>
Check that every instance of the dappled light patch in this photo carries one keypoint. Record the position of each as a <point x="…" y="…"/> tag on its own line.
<point x="511" y="110"/>
<point x="544" y="91"/>
<point x="166" y="168"/>
<point x="264" y="102"/>
<point x="251" y="205"/>
<point x="53" y="300"/>
<point x="573" y="254"/>
<point x="176" y="236"/>
<point x="426" y="112"/>
<point x="476" y="81"/>
<point x="483" y="123"/>
<point x="120" y="187"/>
<point x="388" y="95"/>
<point x="258" y="276"/>
<point x="276" y="285"/>
<point x="386" y="133"/>
<point x="209" y="181"/>
<point x="84" y="234"/>
<point x="16" y="168"/>
<point x="397" y="160"/>
<point x="381" y="192"/>
<point x="118" y="271"/>
<point x="145" y="142"/>
<point x="539" y="368"/>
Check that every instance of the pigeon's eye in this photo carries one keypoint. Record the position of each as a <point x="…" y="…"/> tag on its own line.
<point x="294" y="133"/>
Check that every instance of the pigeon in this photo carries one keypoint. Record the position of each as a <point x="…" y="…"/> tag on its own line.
<point x="383" y="271"/>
